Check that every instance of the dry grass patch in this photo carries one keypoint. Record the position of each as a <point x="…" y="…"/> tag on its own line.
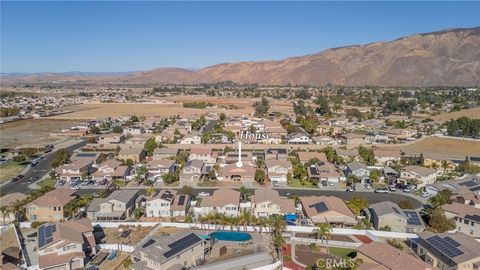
<point x="473" y="113"/>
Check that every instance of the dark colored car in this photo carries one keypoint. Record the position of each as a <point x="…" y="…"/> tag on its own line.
<point x="14" y="179"/>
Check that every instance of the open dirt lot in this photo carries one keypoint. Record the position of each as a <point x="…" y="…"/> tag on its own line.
<point x="32" y="132"/>
<point x="448" y="147"/>
<point x="112" y="235"/>
<point x="472" y="113"/>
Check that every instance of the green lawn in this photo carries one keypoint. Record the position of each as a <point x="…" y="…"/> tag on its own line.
<point x="297" y="183"/>
<point x="10" y="170"/>
<point x="206" y="183"/>
<point x="48" y="182"/>
<point x="340" y="252"/>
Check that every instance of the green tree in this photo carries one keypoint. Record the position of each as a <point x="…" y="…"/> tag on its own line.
<point x="367" y="155"/>
<point x="405" y="204"/>
<point x="441" y="198"/>
<point x="150" y="146"/>
<point x="357" y="204"/>
<point x="261" y="107"/>
<point x="169" y="178"/>
<point x="260" y="176"/>
<point x="95" y="130"/>
<point x="244" y="194"/>
<point x="60" y="157"/>
<point x="324" y="231"/>
<point x="117" y="129"/>
<point x="438" y="222"/>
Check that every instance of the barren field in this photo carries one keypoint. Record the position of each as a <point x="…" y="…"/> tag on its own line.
<point x="32" y="132"/>
<point x="472" y="113"/>
<point x="440" y="146"/>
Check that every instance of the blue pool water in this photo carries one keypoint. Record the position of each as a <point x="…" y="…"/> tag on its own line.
<point x="231" y="236"/>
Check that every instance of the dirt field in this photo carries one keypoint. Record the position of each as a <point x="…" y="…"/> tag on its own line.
<point x="35" y="131"/>
<point x="472" y="113"/>
<point x="9" y="170"/>
<point x="439" y="146"/>
<point x="112" y="235"/>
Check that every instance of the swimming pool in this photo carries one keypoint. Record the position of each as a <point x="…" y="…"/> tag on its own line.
<point x="231" y="236"/>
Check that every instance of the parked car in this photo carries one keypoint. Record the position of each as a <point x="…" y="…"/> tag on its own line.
<point x="14" y="179"/>
<point x="392" y="188"/>
<point x="275" y="184"/>
<point x="287" y="194"/>
<point x="408" y="189"/>
<point x="203" y="194"/>
<point x="350" y="189"/>
<point x="425" y="194"/>
<point x="368" y="186"/>
<point x="381" y="190"/>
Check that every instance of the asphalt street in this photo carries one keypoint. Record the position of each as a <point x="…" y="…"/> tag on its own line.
<point x="43" y="167"/>
<point x="370" y="196"/>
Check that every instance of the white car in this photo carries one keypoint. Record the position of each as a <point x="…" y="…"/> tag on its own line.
<point x="203" y="194"/>
<point x="425" y="194"/>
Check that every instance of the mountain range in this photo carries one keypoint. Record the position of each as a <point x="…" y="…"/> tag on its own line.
<point x="449" y="57"/>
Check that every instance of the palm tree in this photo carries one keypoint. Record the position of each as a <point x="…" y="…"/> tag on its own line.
<point x="323" y="231"/>
<point x="444" y="166"/>
<point x="5" y="210"/>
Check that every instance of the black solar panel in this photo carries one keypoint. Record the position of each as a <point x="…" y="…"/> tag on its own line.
<point x="473" y="217"/>
<point x="45" y="234"/>
<point x="475" y="188"/>
<point x="413" y="218"/>
<point x="469" y="183"/>
<point x="148" y="243"/>
<point x="182" y="244"/>
<point x="181" y="200"/>
<point x="446" y="245"/>
<point x="313" y="170"/>
<point x="86" y="155"/>
<point x="319" y="207"/>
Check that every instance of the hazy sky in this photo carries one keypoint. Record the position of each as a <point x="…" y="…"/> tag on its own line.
<point x="127" y="36"/>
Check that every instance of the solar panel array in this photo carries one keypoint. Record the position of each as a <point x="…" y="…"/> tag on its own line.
<point x="181" y="200"/>
<point x="445" y="245"/>
<point x="86" y="155"/>
<point x="469" y="183"/>
<point x="475" y="188"/>
<point x="473" y="217"/>
<point x="320" y="207"/>
<point x="45" y="234"/>
<point x="313" y="170"/>
<point x="182" y="244"/>
<point x="413" y="218"/>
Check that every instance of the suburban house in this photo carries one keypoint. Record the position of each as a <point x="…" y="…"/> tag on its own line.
<point x="423" y="175"/>
<point x="139" y="139"/>
<point x="232" y="157"/>
<point x="224" y="201"/>
<point x="164" y="153"/>
<point x="173" y="251"/>
<point x="348" y="154"/>
<point x="133" y="130"/>
<point x="111" y="138"/>
<point x="447" y="250"/>
<point x="119" y="205"/>
<point x="328" y="209"/>
<point x="110" y="170"/>
<point x="305" y="157"/>
<point x="157" y="168"/>
<point x="358" y="169"/>
<point x="299" y="138"/>
<point x="325" y="172"/>
<point x="277" y="170"/>
<point x="203" y="154"/>
<point x="77" y="170"/>
<point x="93" y="158"/>
<point x="195" y="139"/>
<point x="466" y="217"/>
<point x="49" y="206"/>
<point x="231" y="172"/>
<point x="167" y="203"/>
<point x="386" y="157"/>
<point x="133" y="152"/>
<point x="65" y="245"/>
<point x="382" y="256"/>
<point x="193" y="171"/>
<point x="388" y="214"/>
<point x="353" y="139"/>
<point x="324" y="140"/>
<point x="267" y="202"/>
<point x="276" y="154"/>
<point x="8" y="200"/>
